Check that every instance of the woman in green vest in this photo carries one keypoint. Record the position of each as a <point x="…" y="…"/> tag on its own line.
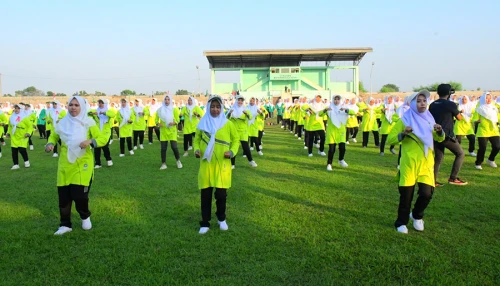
<point x="369" y="122"/>
<point x="239" y="116"/>
<point x="192" y="114"/>
<point x="487" y="117"/>
<point x="20" y="129"/>
<point x="167" y="118"/>
<point x="388" y="118"/>
<point x="77" y="132"/>
<point x="125" y="118"/>
<point x="139" y="125"/>
<point x="40" y="123"/>
<point x="216" y="142"/>
<point x="465" y="127"/>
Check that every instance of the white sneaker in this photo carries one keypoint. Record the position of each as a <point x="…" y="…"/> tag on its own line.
<point x="282" y="126"/>
<point x="15" y="167"/>
<point x="479" y="167"/>
<point x="251" y="148"/>
<point x="203" y="230"/>
<point x="402" y="229"/>
<point x="27" y="164"/>
<point x="223" y="225"/>
<point x="260" y="147"/>
<point x="305" y="147"/>
<point x="97" y="166"/>
<point x="347" y="142"/>
<point x="260" y="153"/>
<point x="233" y="167"/>
<point x="398" y="167"/>
<point x="190" y="148"/>
<point x="310" y="155"/>
<point x="343" y="164"/>
<point x="179" y="165"/>
<point x="122" y="155"/>
<point x="244" y="156"/>
<point x="86" y="224"/>
<point x="62" y="230"/>
<point x="491" y="163"/>
<point x="291" y="131"/>
<point x="186" y="154"/>
<point x="135" y="147"/>
<point x="299" y="138"/>
<point x="317" y="145"/>
<point x="329" y="167"/>
<point x="110" y="141"/>
<point x="418" y="224"/>
<point x="32" y="148"/>
<point x="393" y="151"/>
<point x="322" y="153"/>
<point x="293" y="134"/>
<point x="0" y="155"/>
<point x="253" y="164"/>
<point x="472" y="154"/>
<point x="131" y="152"/>
<point x="163" y="166"/>
<point x="150" y="143"/>
<point x="381" y="153"/>
<point x="110" y="163"/>
<point x="354" y="140"/>
<point x="318" y="141"/>
<point x="55" y="155"/>
<point x="263" y="133"/>
<point x="141" y="146"/>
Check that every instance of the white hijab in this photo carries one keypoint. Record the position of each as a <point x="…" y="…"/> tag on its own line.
<point x="211" y="125"/>
<point x="153" y="107"/>
<point x="421" y="123"/>
<point x="466" y="108"/>
<point x="391" y="108"/>
<point x="488" y="111"/>
<point x="74" y="130"/>
<point x="54" y="112"/>
<point x="191" y="106"/>
<point x="102" y="117"/>
<point x="166" y="112"/>
<point x="15" y="119"/>
<point x="253" y="110"/>
<point x="317" y="107"/>
<point x="406" y="105"/>
<point x="137" y="109"/>
<point x="337" y="117"/>
<point x="237" y="110"/>
<point x="125" y="113"/>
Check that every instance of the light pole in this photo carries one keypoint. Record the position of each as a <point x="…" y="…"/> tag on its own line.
<point x="371" y="70"/>
<point x="198" y="70"/>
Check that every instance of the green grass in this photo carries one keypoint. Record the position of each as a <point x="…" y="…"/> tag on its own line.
<point x="290" y="223"/>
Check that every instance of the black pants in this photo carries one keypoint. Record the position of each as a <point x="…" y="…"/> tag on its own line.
<point x="77" y="193"/>
<point x="279" y="119"/>
<point x="41" y="130"/>
<point x="15" y="155"/>
<point x="366" y="136"/>
<point x="399" y="156"/>
<point x="30" y="142"/>
<point x="360" y="118"/>
<point x="255" y="141"/>
<point x="154" y="129"/>
<point x="180" y="126"/>
<point x="55" y="145"/>
<point x="379" y="122"/>
<point x="483" y="142"/>
<point x="298" y="130"/>
<point x="456" y="149"/>
<point x="122" y="144"/>
<point x="163" y="151"/>
<point x="138" y="134"/>
<point x="351" y="132"/>
<point x="261" y="133"/>
<point x="286" y="124"/>
<point x="331" y="152"/>
<point x="97" y="153"/>
<point x="206" y="205"/>
<point x="117" y="131"/>
<point x="382" y="143"/>
<point x="246" y="151"/>
<point x="310" y="143"/>
<point x="188" y="141"/>
<point x="472" y="141"/>
<point x="292" y="125"/>
<point x="406" y="197"/>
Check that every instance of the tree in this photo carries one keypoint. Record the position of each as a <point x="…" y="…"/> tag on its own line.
<point x="8" y="95"/>
<point x="390" y="87"/>
<point x="98" y="93"/>
<point x="127" y="92"/>
<point x="50" y="93"/>
<point x="30" y="91"/>
<point x="160" y="92"/>
<point x="60" y="94"/>
<point x="181" y="92"/>
<point x="457" y="86"/>
<point x="82" y="93"/>
<point x="361" y="87"/>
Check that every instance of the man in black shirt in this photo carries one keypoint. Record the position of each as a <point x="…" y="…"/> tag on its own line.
<point x="443" y="110"/>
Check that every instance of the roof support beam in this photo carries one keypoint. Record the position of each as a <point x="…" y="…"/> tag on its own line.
<point x="328" y="60"/>
<point x="270" y="60"/>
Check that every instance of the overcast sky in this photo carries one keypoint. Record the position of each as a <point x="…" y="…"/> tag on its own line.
<point x="109" y="46"/>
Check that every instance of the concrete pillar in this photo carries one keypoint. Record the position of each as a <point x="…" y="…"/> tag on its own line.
<point x="212" y="81"/>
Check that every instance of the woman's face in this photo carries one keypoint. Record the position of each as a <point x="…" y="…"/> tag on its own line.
<point x="318" y="99"/>
<point x="421" y="103"/>
<point x="17" y="110"/>
<point x="372" y="102"/>
<point x="488" y="98"/>
<point x="464" y="100"/>
<point x="167" y="101"/>
<point x="336" y="100"/>
<point x="190" y="101"/>
<point x="136" y="103"/>
<point x="353" y="101"/>
<point x="215" y="108"/>
<point x="252" y="101"/>
<point x="389" y="100"/>
<point x="74" y="107"/>
<point x="240" y="102"/>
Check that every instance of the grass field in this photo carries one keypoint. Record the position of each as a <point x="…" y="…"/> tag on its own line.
<point x="290" y="223"/>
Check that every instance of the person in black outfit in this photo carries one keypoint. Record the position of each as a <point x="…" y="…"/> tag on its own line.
<point x="444" y="111"/>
